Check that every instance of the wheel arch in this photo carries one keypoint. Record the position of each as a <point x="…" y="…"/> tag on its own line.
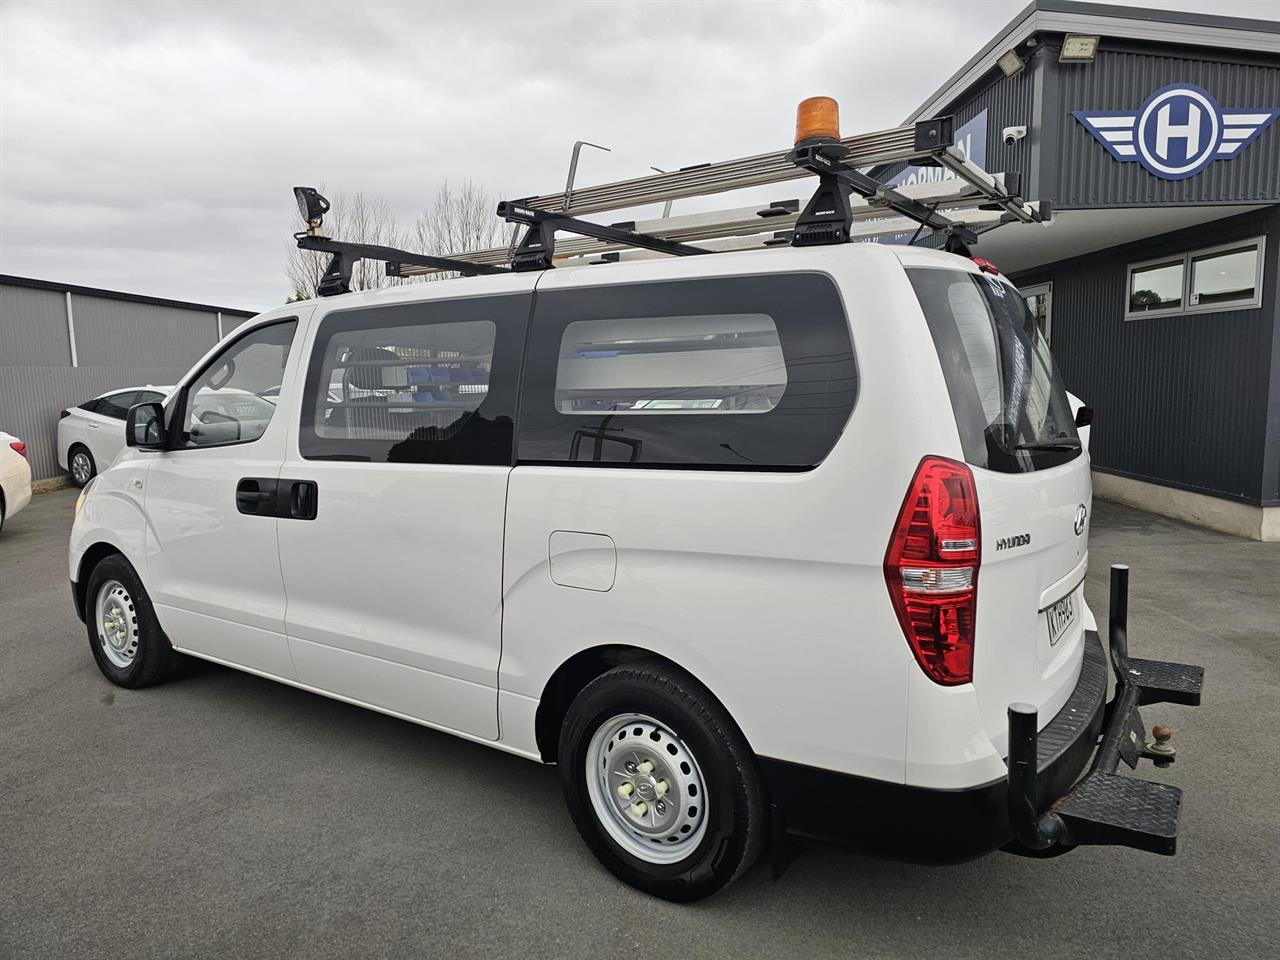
<point x="88" y="560"/>
<point x="569" y="679"/>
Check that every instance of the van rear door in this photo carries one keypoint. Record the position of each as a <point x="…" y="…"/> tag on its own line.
<point x="1032" y="478"/>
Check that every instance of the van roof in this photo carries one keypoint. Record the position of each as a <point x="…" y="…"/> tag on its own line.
<point x="744" y="262"/>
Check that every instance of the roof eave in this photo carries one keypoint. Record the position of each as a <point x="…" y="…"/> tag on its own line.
<point x="1067" y="16"/>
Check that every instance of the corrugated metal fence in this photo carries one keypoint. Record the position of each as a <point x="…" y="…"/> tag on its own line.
<point x="61" y="345"/>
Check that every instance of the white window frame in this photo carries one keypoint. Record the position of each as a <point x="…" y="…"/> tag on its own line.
<point x="1042" y="290"/>
<point x="1258" y="243"/>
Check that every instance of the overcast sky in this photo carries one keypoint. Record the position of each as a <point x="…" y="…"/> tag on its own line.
<point x="151" y="147"/>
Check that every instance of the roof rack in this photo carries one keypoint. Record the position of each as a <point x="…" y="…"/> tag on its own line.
<point x="849" y="204"/>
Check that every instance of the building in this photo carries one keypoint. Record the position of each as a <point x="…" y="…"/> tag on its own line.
<point x="62" y="344"/>
<point x="1154" y="136"/>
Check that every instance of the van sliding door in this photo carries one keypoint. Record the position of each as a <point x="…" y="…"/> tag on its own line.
<point x="406" y="433"/>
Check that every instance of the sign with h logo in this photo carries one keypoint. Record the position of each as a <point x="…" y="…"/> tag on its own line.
<point x="1178" y="131"/>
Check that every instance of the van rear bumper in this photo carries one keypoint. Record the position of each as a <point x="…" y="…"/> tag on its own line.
<point x="929" y="825"/>
<point x="1039" y="808"/>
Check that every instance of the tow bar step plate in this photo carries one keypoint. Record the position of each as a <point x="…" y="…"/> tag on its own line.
<point x="1163" y="682"/>
<point x="1104" y="808"/>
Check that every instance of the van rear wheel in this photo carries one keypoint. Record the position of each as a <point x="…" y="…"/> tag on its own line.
<point x="127" y="643"/>
<point x="661" y="783"/>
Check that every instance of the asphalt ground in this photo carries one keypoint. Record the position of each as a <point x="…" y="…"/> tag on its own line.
<point x="222" y="815"/>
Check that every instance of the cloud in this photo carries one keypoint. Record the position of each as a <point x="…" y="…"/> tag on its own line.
<point x="151" y="147"/>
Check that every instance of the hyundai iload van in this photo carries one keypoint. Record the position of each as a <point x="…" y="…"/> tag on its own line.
<point x="753" y="544"/>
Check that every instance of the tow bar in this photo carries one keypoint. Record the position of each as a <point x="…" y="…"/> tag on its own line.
<point x="1103" y="807"/>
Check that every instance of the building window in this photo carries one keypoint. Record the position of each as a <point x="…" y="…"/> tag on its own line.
<point x="1156" y="288"/>
<point x="1227" y="277"/>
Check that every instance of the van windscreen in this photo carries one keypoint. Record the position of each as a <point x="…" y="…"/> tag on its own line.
<point x="1009" y="403"/>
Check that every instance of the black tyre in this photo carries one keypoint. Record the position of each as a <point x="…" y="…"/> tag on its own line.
<point x="661" y="783"/>
<point x="80" y="465"/>
<point x="127" y="643"/>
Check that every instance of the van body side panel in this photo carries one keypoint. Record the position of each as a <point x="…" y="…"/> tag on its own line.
<point x="770" y="623"/>
<point x="767" y="586"/>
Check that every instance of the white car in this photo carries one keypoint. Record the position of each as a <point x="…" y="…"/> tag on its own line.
<point x="91" y="434"/>
<point x="15" y="476"/>
<point x="790" y="540"/>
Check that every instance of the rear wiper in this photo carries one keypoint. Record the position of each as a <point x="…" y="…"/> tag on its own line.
<point x="1066" y="443"/>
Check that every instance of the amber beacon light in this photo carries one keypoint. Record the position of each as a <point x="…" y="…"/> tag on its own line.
<point x="817" y="118"/>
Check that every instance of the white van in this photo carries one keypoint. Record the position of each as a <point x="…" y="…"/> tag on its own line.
<point x="748" y="544"/>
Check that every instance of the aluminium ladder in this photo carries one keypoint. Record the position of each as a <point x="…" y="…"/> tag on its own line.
<point x="849" y="204"/>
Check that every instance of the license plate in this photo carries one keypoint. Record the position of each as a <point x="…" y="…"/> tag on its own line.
<point x="1060" y="617"/>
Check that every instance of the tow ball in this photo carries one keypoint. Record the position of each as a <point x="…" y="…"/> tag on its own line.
<point x="1160" y="750"/>
<point x="1103" y="808"/>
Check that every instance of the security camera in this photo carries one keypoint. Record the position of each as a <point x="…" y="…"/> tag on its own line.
<point x="1013" y="134"/>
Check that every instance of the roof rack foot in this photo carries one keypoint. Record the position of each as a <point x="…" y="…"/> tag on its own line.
<point x="827" y="216"/>
<point x="536" y="249"/>
<point x="337" y="277"/>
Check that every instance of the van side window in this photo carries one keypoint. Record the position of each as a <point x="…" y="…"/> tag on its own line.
<point x="223" y="404"/>
<point x="751" y="373"/>
<point x="415" y="383"/>
<point x="693" y="365"/>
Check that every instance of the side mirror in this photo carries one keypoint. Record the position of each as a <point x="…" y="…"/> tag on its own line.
<point x="144" y="427"/>
<point x="1084" y="416"/>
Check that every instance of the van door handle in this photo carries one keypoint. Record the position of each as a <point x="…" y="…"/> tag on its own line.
<point x="256" y="496"/>
<point x="298" y="499"/>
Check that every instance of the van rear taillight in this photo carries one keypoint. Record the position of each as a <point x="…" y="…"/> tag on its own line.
<point x="18" y="447"/>
<point x="931" y="568"/>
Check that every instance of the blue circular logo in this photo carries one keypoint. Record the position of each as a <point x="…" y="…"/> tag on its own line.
<point x="1179" y="130"/>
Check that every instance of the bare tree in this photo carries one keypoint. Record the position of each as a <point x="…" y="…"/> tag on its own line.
<point x="460" y="220"/>
<point x="358" y="219"/>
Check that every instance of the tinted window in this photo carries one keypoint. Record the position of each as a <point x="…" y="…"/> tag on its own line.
<point x="222" y="404"/>
<point x="149" y="396"/>
<point x="695" y="365"/>
<point x="415" y="383"/>
<point x="1156" y="287"/>
<point x="663" y="374"/>
<point x="116" y="405"/>
<point x="1227" y="276"/>
<point x="1009" y="403"/>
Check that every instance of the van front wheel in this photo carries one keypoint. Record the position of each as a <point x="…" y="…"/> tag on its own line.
<point x="661" y="783"/>
<point x="127" y="643"/>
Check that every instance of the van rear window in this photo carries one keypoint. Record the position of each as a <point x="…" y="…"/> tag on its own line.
<point x="745" y="372"/>
<point x="1009" y="403"/>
